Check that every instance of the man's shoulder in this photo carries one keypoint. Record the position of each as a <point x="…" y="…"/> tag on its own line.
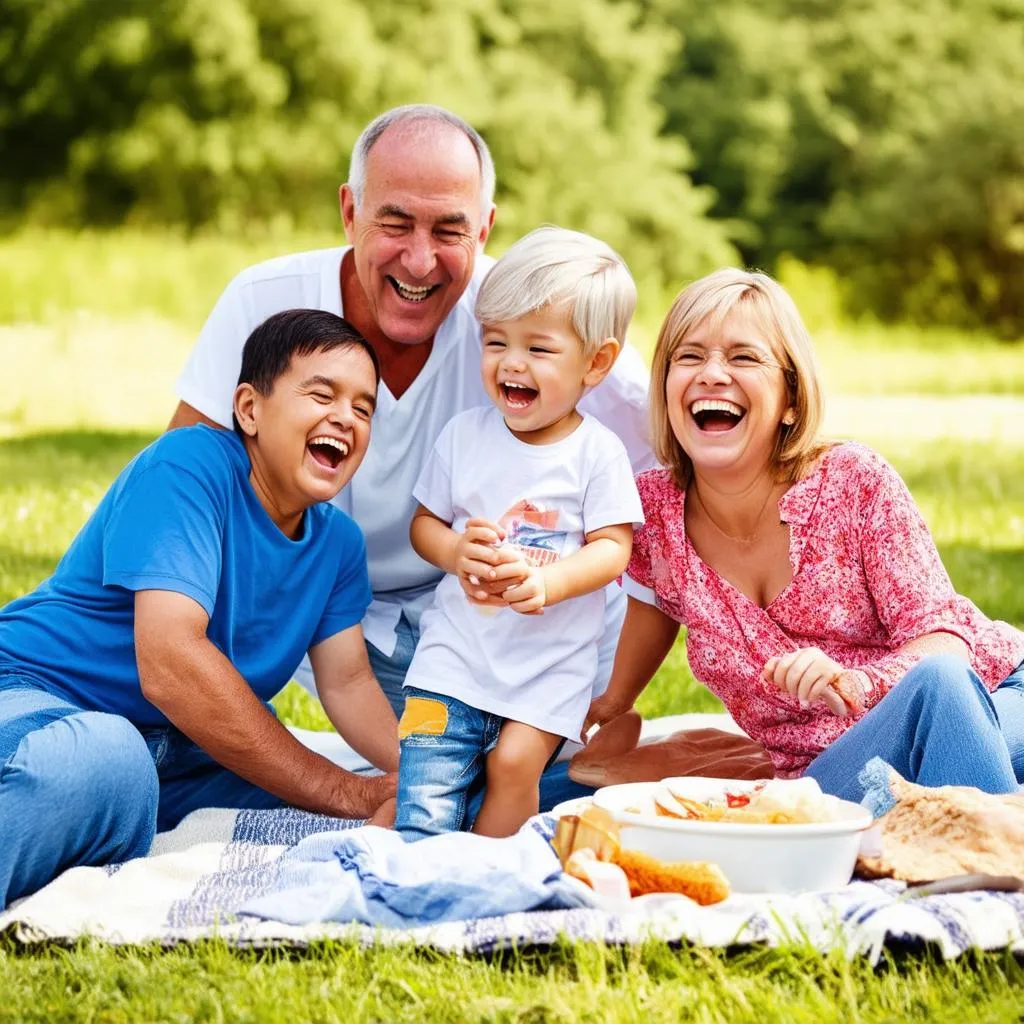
<point x="311" y="263"/>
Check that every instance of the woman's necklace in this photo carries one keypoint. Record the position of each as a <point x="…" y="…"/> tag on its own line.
<point x="752" y="536"/>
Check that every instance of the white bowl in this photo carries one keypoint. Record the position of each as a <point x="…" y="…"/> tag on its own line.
<point x="755" y="858"/>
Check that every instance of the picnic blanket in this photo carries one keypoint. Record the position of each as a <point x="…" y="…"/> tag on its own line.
<point x="197" y="877"/>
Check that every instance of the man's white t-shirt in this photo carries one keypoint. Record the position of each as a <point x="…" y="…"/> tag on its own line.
<point x="404" y="430"/>
<point x="537" y="669"/>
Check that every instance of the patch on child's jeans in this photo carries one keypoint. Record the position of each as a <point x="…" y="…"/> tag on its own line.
<point x="423" y="716"/>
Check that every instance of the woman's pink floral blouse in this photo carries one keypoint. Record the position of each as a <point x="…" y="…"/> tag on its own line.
<point x="866" y="579"/>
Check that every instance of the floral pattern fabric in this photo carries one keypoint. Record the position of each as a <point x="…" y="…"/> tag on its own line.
<point x="867" y="579"/>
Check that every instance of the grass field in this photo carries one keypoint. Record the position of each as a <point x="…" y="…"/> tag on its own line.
<point x="91" y="381"/>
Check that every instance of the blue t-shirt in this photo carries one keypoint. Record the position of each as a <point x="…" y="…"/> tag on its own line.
<point x="183" y="516"/>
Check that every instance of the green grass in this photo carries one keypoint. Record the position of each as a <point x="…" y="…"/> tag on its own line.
<point x="338" y="982"/>
<point x="91" y="381"/>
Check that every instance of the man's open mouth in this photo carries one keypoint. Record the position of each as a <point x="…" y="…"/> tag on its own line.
<point x="327" y="451"/>
<point x="716" y="415"/>
<point x="412" y="293"/>
<point x="518" y="396"/>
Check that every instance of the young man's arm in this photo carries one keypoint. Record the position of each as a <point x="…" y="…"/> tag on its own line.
<point x="191" y="682"/>
<point x="353" y="699"/>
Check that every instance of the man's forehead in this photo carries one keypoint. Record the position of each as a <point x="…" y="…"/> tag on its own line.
<point x="422" y="162"/>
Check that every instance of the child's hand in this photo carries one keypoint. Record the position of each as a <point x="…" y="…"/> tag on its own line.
<point x="477" y="558"/>
<point x="529" y="595"/>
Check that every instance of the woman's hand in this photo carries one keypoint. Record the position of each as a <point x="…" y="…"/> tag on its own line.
<point x="811" y="676"/>
<point x="604" y="709"/>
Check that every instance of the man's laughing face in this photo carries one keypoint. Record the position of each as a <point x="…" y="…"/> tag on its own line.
<point x="418" y="228"/>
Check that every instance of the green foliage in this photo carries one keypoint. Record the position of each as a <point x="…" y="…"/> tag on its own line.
<point x="244" y="112"/>
<point x="880" y="138"/>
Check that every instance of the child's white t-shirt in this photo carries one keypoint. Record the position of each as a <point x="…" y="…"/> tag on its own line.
<point x="537" y="669"/>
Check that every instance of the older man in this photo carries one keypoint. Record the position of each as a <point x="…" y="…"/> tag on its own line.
<point x="417" y="210"/>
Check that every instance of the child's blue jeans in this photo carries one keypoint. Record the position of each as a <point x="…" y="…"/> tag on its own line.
<point x="443" y="746"/>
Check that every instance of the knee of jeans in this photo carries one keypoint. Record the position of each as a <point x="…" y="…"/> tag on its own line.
<point x="117" y="766"/>
<point x="943" y="677"/>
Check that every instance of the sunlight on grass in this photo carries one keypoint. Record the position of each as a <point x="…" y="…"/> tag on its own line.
<point x="653" y="983"/>
<point x="92" y="381"/>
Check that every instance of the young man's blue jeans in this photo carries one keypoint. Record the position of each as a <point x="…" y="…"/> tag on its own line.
<point x="83" y="787"/>
<point x="938" y="726"/>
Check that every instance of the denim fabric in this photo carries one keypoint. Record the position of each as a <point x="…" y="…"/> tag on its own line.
<point x="369" y="875"/>
<point x="438" y="764"/>
<point x="76" y="788"/>
<point x="189" y="779"/>
<point x="391" y="670"/>
<point x="88" y="788"/>
<point x="1008" y="700"/>
<point x="938" y="726"/>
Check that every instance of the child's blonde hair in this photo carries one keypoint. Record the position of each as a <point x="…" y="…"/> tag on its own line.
<point x="553" y="267"/>
<point x="710" y="301"/>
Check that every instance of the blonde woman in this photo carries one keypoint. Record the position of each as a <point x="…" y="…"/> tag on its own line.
<point x="816" y="605"/>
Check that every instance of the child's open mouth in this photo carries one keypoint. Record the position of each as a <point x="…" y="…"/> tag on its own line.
<point x="327" y="451"/>
<point x="518" y="396"/>
<point x="715" y="416"/>
<point x="412" y="293"/>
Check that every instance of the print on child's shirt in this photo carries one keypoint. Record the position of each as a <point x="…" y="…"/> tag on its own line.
<point x="530" y="529"/>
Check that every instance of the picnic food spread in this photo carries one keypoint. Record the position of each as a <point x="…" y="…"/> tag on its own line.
<point x="588" y="847"/>
<point x="771" y="802"/>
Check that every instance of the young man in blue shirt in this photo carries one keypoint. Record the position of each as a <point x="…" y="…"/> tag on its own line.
<point x="134" y="681"/>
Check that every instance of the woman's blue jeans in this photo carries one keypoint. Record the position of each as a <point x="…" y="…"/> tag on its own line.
<point x="87" y="788"/>
<point x="938" y="726"/>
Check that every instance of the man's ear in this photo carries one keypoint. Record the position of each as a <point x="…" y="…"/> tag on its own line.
<point x="246" y="400"/>
<point x="601" y="362"/>
<point x="347" y="205"/>
<point x="486" y="225"/>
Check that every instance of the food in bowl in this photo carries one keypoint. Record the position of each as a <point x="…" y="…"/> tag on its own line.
<point x="587" y="844"/>
<point x="758" y="856"/>
<point x="771" y="802"/>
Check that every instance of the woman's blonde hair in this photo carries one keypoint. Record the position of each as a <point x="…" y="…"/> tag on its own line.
<point x="709" y="302"/>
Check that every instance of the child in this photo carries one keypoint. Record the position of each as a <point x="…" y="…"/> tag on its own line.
<point x="529" y="507"/>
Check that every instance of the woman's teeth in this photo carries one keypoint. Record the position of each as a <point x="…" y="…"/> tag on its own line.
<point x="716" y="414"/>
<point x="715" y="405"/>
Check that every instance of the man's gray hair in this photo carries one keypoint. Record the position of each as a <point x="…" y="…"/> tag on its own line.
<point x="556" y="268"/>
<point x="419" y="113"/>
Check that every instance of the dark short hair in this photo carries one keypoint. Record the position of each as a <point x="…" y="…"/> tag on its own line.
<point x="269" y="350"/>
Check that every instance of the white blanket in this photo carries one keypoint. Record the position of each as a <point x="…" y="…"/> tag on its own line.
<point x="197" y="876"/>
